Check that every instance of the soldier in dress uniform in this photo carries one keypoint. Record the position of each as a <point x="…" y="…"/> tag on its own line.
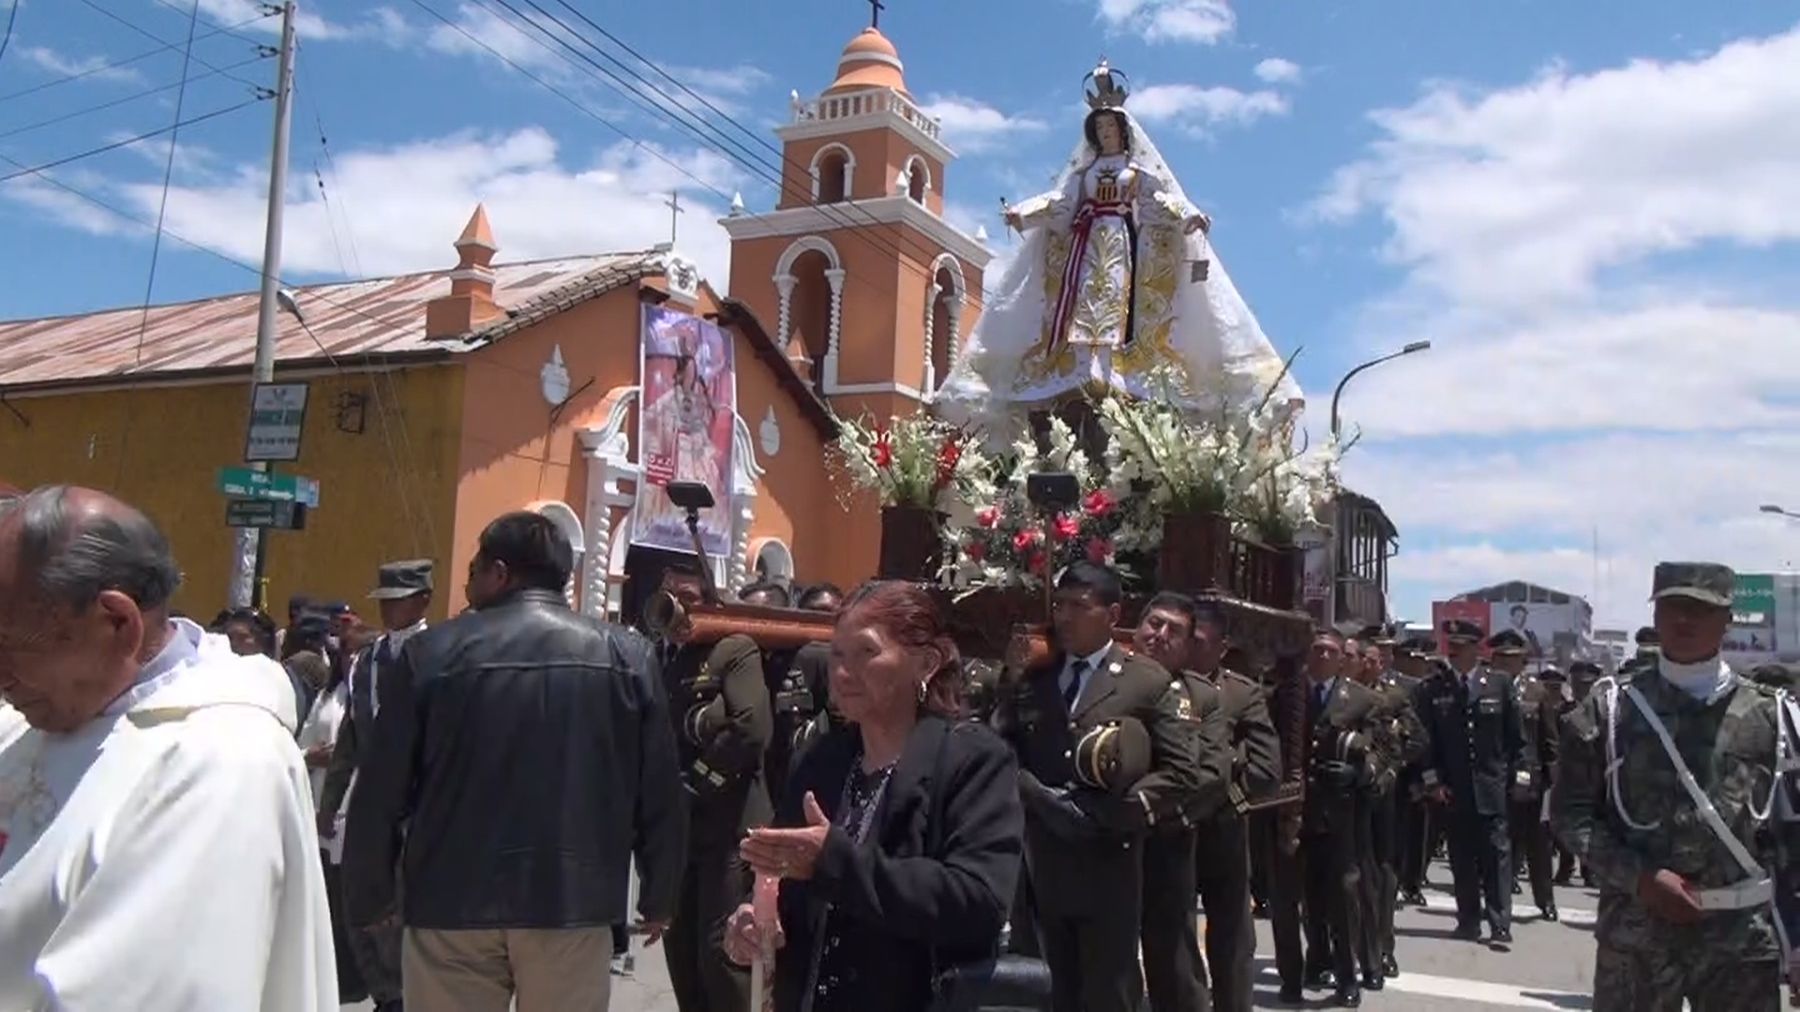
<point x="720" y="704"/>
<point x="1221" y="844"/>
<point x="1402" y="744"/>
<point x="1084" y="848"/>
<point x="1538" y="716"/>
<point x="1411" y="666"/>
<point x="1667" y="784"/>
<point x="1471" y="715"/>
<point x="1341" y="719"/>
<point x="1174" y="975"/>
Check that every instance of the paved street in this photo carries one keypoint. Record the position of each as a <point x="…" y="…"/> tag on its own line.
<point x="1550" y="965"/>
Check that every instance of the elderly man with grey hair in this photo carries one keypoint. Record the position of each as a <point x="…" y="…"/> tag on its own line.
<point x="157" y="849"/>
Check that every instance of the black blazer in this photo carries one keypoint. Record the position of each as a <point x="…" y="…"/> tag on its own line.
<point x="897" y="899"/>
<point x="1477" y="743"/>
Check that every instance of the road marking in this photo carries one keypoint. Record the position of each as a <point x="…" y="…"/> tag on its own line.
<point x="1480" y="991"/>
<point x="1521" y="912"/>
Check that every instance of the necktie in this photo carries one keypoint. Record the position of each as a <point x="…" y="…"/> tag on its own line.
<point x="384" y="654"/>
<point x="1072" y="690"/>
<point x="1324" y="692"/>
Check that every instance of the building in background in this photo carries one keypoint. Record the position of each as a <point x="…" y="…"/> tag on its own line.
<point x="1346" y="576"/>
<point x="1765" y="620"/>
<point x="1613" y="646"/>
<point x="1557" y="627"/>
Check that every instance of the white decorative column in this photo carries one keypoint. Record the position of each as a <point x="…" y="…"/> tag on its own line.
<point x="744" y="474"/>
<point x="784" y="290"/>
<point x="835" y="278"/>
<point x="931" y="294"/>
<point x="608" y="451"/>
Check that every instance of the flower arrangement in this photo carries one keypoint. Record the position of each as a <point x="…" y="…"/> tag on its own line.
<point x="917" y="461"/>
<point x="1009" y="543"/>
<point x="1285" y="494"/>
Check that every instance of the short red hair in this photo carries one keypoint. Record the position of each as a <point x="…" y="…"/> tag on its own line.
<point x="910" y="616"/>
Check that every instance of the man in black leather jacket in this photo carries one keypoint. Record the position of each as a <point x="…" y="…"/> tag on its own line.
<point x="523" y="755"/>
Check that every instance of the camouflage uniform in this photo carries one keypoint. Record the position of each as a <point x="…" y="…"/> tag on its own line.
<point x="1730" y="959"/>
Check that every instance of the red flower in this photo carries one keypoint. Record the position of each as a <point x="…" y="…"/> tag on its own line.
<point x="988" y="517"/>
<point x="1027" y="539"/>
<point x="1098" y="503"/>
<point x="882" y="453"/>
<point x="949" y="455"/>
<point x="1098" y="549"/>
<point x="1034" y="563"/>
<point x="1064" y="527"/>
<point x="975" y="550"/>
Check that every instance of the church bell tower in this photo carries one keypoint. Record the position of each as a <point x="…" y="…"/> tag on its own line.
<point x="856" y="272"/>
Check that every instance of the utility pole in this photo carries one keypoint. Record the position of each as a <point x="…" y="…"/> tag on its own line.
<point x="248" y="561"/>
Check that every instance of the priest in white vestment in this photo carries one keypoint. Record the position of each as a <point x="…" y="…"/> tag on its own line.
<point x="157" y="848"/>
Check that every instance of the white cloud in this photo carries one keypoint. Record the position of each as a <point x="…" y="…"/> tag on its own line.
<point x="1528" y="192"/>
<point x="92" y="68"/>
<point x="1579" y="380"/>
<point x="1201" y="110"/>
<point x="972" y="126"/>
<point x="1276" y="70"/>
<point x="1535" y="513"/>
<point x="1203" y="21"/>
<point x="307" y="26"/>
<point x="404" y="204"/>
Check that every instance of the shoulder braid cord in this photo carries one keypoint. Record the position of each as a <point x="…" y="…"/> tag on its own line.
<point x="1787" y="726"/>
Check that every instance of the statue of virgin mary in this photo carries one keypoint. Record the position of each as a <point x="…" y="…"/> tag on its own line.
<point x="1114" y="289"/>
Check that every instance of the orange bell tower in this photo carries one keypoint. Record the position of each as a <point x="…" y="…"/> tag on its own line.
<point x="864" y="283"/>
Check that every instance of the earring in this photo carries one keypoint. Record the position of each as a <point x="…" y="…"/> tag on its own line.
<point x="922" y="686"/>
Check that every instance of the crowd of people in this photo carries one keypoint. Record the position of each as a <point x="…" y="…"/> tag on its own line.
<point x="451" y="817"/>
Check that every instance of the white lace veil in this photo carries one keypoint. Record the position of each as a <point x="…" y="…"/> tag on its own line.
<point x="1217" y="336"/>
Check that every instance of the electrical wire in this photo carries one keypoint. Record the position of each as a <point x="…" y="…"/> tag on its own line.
<point x="673" y="111"/>
<point x="40" y="124"/>
<point x="127" y="142"/>
<point x="162" y="209"/>
<point x="12" y="18"/>
<point x="152" y="36"/>
<point x="116" y="64"/>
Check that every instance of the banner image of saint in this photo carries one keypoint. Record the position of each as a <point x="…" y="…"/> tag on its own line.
<point x="687" y="405"/>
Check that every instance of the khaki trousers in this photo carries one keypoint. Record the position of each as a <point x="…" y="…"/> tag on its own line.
<point x="550" y="970"/>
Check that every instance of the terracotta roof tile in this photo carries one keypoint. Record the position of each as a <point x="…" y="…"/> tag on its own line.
<point x="380" y="317"/>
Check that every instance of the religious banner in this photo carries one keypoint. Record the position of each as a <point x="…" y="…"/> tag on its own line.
<point x="686" y="407"/>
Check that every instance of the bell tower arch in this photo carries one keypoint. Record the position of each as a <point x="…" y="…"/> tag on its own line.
<point x="869" y="289"/>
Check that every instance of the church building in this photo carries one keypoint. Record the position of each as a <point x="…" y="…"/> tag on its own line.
<point x="441" y="399"/>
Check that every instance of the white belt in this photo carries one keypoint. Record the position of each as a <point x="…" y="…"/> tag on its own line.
<point x="1741" y="896"/>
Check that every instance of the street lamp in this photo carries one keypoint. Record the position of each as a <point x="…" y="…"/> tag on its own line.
<point x="1372" y="363"/>
<point x="1778" y="511"/>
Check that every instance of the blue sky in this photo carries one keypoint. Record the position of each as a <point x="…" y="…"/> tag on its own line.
<point x="1590" y="209"/>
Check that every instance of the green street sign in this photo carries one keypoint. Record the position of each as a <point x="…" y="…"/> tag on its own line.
<point x="249" y="483"/>
<point x="271" y="514"/>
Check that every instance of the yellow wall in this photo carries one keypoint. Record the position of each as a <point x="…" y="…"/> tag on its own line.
<point x="386" y="494"/>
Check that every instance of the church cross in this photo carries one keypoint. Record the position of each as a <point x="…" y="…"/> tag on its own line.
<point x="675" y="210"/>
<point x="875" y="9"/>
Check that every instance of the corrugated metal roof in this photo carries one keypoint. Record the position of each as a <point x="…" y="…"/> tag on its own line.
<point x="353" y="319"/>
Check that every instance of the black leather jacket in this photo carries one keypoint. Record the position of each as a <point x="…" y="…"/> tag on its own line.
<point x="527" y="754"/>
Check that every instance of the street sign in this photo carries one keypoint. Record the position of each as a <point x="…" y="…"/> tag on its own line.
<point x="277" y="414"/>
<point x="285" y="516"/>
<point x="249" y="483"/>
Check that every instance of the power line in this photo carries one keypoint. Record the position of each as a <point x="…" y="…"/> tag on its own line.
<point x="162" y="210"/>
<point x="152" y="36"/>
<point x="126" y="62"/>
<point x="12" y="18"/>
<point x="40" y="124"/>
<point x="231" y="30"/>
<point x="127" y="142"/>
<point x="671" y="109"/>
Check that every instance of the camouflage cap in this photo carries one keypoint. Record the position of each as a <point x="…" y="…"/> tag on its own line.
<point x="1707" y="582"/>
<point x="1780" y="676"/>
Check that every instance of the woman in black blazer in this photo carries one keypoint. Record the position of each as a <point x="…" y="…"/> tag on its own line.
<point x="898" y="840"/>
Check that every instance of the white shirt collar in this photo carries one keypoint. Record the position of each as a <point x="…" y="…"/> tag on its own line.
<point x="183" y="646"/>
<point x="398" y="637"/>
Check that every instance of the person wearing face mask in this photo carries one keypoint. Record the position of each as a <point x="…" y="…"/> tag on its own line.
<point x="1670" y="786"/>
<point x="1471" y="717"/>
